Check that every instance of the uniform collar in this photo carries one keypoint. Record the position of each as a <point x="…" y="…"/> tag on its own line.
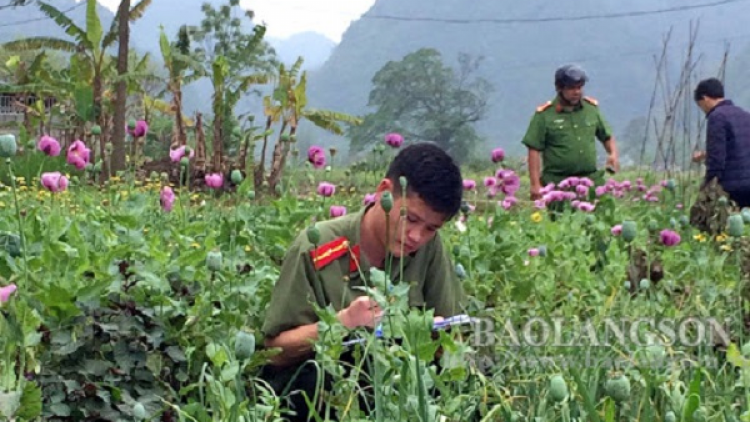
<point x="560" y="109"/>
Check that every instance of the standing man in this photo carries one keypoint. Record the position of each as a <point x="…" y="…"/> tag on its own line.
<point x="562" y="131"/>
<point x="327" y="272"/>
<point x="727" y="152"/>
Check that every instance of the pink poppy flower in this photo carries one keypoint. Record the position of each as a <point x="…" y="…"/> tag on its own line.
<point x="316" y="156"/>
<point x="326" y="189"/>
<point x="54" y="181"/>
<point x="49" y="146"/>
<point x="214" y="180"/>
<point x="167" y="198"/>
<point x="337" y="211"/>
<point x="6" y="291"/>
<point x="78" y="155"/>
<point x="394" y="140"/>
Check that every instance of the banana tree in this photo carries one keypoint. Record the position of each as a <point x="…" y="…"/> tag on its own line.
<point x="89" y="46"/>
<point x="177" y="59"/>
<point x="288" y="106"/>
<point x="22" y="79"/>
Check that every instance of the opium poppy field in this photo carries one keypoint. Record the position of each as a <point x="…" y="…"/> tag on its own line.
<point x="138" y="298"/>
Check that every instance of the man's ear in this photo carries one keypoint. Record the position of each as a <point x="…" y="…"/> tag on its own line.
<point x="384" y="185"/>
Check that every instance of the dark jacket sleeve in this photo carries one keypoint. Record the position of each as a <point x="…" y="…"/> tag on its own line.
<point x="716" y="146"/>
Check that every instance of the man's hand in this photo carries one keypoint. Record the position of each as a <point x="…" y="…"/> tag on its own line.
<point x="536" y="190"/>
<point x="613" y="161"/>
<point x="362" y="312"/>
<point x="699" y="156"/>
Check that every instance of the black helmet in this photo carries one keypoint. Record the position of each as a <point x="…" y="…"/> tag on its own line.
<point x="570" y="75"/>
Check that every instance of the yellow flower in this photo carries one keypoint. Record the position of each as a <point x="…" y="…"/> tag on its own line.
<point x="145" y="230"/>
<point x="536" y="217"/>
<point x="700" y="237"/>
<point x="727" y="248"/>
<point x="195" y="245"/>
<point x="248" y="248"/>
<point x="721" y="237"/>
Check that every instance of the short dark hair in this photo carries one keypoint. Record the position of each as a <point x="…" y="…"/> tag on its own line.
<point x="432" y="174"/>
<point x="711" y="87"/>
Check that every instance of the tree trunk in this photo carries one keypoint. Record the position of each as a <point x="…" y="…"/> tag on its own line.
<point x="200" y="144"/>
<point x="118" y="135"/>
<point x="280" y="152"/>
<point x="178" y="138"/>
<point x="260" y="169"/>
<point x="218" y="144"/>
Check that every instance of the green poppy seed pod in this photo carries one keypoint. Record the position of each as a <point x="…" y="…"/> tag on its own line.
<point x="558" y="389"/>
<point x="402" y="182"/>
<point x="590" y="219"/>
<point x="627" y="285"/>
<point x="460" y="271"/>
<point x="8" y="145"/>
<point x="96" y="130"/>
<point x="214" y="260"/>
<point x="542" y="250"/>
<point x="313" y="234"/>
<point x="671" y="184"/>
<point x="629" y="230"/>
<point x="285" y="138"/>
<point x="293" y="138"/>
<point x="164" y="177"/>
<point x="131" y="124"/>
<point x="644" y="284"/>
<point x="456" y="251"/>
<point x="184" y="162"/>
<point x="653" y="226"/>
<point x="736" y="225"/>
<point x="465" y="207"/>
<point x="98" y="166"/>
<point x="236" y="176"/>
<point x="723" y="200"/>
<point x="295" y="152"/>
<point x="237" y="132"/>
<point x="251" y="195"/>
<point x="386" y="201"/>
<point x="618" y="388"/>
<point x="673" y="222"/>
<point x="244" y="345"/>
<point x="746" y="215"/>
<point x="139" y="411"/>
<point x="279" y="189"/>
<point x="670" y="417"/>
<point x="108" y="147"/>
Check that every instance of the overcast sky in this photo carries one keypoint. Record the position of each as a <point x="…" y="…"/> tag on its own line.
<point x="287" y="17"/>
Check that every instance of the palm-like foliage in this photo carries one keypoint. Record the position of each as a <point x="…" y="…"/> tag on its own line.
<point x="288" y="106"/>
<point x="88" y="46"/>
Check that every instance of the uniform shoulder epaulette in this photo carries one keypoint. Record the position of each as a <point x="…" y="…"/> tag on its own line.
<point x="329" y="252"/>
<point x="543" y="107"/>
<point x="591" y="100"/>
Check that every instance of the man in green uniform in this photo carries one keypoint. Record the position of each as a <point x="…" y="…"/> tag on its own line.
<point x="562" y="131"/>
<point x="327" y="272"/>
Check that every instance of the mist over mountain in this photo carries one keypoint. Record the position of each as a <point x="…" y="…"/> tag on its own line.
<point x="524" y="44"/>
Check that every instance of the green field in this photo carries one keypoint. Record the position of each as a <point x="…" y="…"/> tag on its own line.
<point x="124" y="310"/>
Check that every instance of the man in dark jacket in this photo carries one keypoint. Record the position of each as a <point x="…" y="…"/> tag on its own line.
<point x="727" y="152"/>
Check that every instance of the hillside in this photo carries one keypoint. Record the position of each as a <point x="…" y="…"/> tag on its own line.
<point x="520" y="57"/>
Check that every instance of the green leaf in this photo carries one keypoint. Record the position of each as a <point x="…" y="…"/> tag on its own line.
<point x="93" y="25"/>
<point x="84" y="102"/>
<point x="63" y="21"/>
<point x="31" y="402"/>
<point x="38" y="43"/>
<point x="10" y="403"/>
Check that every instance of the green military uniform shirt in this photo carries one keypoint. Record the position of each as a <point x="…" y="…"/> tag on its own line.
<point x="565" y="138"/>
<point x="434" y="281"/>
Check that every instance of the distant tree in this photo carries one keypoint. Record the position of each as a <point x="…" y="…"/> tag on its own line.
<point x="425" y="100"/>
